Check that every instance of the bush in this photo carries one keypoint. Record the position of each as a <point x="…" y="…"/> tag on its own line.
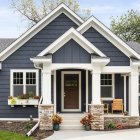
<point x="87" y="120"/>
<point x="119" y="126"/>
<point x="56" y="119"/>
<point x="111" y="125"/>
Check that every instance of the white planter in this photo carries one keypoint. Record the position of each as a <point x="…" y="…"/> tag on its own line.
<point x="24" y="102"/>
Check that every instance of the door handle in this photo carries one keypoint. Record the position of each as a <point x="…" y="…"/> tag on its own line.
<point x="64" y="94"/>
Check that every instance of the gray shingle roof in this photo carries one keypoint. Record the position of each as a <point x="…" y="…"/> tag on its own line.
<point x="5" y="42"/>
<point x="134" y="45"/>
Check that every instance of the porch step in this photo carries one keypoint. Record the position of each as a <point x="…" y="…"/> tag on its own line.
<point x="71" y="121"/>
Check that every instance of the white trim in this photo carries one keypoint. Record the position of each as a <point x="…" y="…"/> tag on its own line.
<point x="116" y="69"/>
<point x="121" y="45"/>
<point x="17" y="119"/>
<point x="71" y="34"/>
<point x="38" y="27"/>
<point x="62" y="92"/>
<point x="24" y="71"/>
<point x="124" y="76"/>
<point x="71" y="66"/>
<point x="54" y="83"/>
<point x="0" y="65"/>
<point x="113" y="89"/>
<point x="87" y="90"/>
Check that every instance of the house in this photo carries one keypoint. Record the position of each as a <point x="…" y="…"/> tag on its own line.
<point x="70" y="63"/>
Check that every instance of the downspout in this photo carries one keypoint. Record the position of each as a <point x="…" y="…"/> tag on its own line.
<point x="37" y="125"/>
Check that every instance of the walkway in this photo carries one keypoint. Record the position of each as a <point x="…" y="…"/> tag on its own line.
<point x="133" y="134"/>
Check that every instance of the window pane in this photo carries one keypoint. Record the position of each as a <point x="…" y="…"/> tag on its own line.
<point x="106" y="91"/>
<point x="17" y="90"/>
<point x="30" y="78"/>
<point x="31" y="89"/>
<point x="17" y="78"/>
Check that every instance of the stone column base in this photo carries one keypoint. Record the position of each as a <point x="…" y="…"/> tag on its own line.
<point x="98" y="113"/>
<point x="45" y="114"/>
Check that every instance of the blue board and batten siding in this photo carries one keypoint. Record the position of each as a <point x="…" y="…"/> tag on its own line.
<point x="21" y="60"/>
<point x="71" y="52"/>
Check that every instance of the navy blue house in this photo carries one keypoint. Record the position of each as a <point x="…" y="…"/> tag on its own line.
<point x="69" y="63"/>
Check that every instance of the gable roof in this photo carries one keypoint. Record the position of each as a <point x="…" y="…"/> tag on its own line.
<point x="75" y="35"/>
<point x="5" y="42"/>
<point x="62" y="8"/>
<point x="108" y="34"/>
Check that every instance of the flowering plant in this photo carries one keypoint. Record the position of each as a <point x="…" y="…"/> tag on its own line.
<point x="56" y="119"/>
<point x="87" y="120"/>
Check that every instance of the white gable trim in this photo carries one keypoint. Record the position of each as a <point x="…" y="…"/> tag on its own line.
<point x="39" y="26"/>
<point x="108" y="34"/>
<point x="72" y="34"/>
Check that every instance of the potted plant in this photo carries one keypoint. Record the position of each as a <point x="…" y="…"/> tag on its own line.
<point x="86" y="121"/>
<point x="56" y="120"/>
<point x="125" y="113"/>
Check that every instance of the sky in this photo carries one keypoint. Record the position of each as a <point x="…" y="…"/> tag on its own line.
<point x="12" y="24"/>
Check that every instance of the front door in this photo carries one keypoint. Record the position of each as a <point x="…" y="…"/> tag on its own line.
<point x="71" y="91"/>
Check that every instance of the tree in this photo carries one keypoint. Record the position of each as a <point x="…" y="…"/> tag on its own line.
<point x="127" y="26"/>
<point x="34" y="10"/>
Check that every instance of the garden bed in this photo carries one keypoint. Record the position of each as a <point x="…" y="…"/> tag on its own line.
<point x="21" y="128"/>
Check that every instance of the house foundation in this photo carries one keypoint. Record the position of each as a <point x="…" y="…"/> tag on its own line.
<point x="45" y="114"/>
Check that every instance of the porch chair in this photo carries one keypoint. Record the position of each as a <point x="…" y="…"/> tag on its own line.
<point x="117" y="105"/>
<point x="106" y="106"/>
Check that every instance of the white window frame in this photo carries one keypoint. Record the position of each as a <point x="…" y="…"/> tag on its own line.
<point x="113" y="88"/>
<point x="24" y="71"/>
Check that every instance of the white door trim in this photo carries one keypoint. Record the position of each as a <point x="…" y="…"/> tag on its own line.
<point x="62" y="91"/>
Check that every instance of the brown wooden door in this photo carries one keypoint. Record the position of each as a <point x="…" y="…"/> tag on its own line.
<point x="71" y="91"/>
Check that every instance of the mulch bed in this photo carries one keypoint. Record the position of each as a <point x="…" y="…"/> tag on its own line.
<point x="20" y="127"/>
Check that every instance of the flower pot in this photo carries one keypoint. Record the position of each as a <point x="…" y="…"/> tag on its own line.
<point x="87" y="127"/>
<point x="56" y="127"/>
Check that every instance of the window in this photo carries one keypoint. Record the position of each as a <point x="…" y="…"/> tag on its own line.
<point x="107" y="81"/>
<point x="24" y="81"/>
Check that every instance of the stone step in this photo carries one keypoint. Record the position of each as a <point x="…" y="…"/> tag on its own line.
<point x="71" y="122"/>
<point x="71" y="127"/>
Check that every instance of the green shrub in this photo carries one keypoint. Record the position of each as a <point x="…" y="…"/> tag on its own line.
<point x="111" y="125"/>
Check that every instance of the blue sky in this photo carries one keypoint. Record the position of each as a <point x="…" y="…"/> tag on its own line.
<point x="12" y="25"/>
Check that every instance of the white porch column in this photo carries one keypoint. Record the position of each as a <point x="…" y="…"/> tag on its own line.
<point x="46" y="85"/>
<point x="96" y="89"/>
<point x="133" y="94"/>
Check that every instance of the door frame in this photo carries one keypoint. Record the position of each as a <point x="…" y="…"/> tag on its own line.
<point x="62" y="91"/>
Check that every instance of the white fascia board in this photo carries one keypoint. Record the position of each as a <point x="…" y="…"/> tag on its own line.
<point x="37" y="61"/>
<point x="107" y="33"/>
<point x="100" y="61"/>
<point x="38" y="27"/>
<point x="72" y="34"/>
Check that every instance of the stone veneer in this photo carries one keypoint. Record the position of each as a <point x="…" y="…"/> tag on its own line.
<point x="126" y="121"/>
<point x="98" y="114"/>
<point x="45" y="114"/>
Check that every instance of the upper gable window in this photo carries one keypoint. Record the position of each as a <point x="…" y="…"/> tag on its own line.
<point x="23" y="82"/>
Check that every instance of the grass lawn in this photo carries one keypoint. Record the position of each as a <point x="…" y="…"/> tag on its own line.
<point x="6" y="135"/>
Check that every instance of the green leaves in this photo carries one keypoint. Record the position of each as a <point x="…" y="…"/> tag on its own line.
<point x="127" y="26"/>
